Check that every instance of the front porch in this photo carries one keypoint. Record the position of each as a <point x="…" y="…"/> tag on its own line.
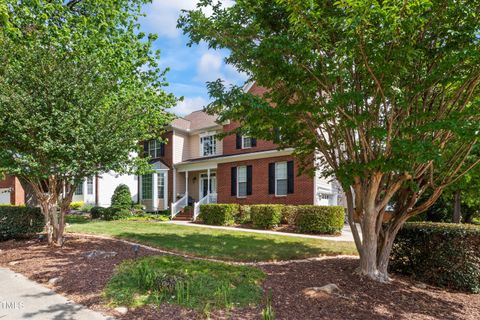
<point x="193" y="188"/>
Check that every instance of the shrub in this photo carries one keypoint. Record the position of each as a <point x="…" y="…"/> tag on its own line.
<point x="76" y="205"/>
<point x="113" y="213"/>
<point x="320" y="219"/>
<point x="244" y="215"/>
<point x="97" y="212"/>
<point x="122" y="198"/>
<point x="86" y="208"/>
<point x="266" y="216"/>
<point x="289" y="215"/>
<point x="441" y="254"/>
<point x="17" y="222"/>
<point x="219" y="214"/>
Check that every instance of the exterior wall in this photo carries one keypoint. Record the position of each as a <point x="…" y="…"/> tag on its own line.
<point x="303" y="185"/>
<point x="193" y="185"/>
<point x="230" y="143"/>
<point x="194" y="146"/>
<point x="12" y="191"/>
<point x="109" y="181"/>
<point x="179" y="145"/>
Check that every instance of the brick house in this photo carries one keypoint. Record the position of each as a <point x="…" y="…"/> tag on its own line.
<point x="194" y="167"/>
<point x="12" y="191"/>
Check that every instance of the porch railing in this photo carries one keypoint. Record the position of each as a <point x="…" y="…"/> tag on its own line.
<point x="209" y="198"/>
<point x="176" y="207"/>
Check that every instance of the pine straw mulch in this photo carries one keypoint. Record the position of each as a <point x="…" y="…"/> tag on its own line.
<point x="84" y="279"/>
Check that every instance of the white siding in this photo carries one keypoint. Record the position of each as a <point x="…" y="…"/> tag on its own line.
<point x="181" y="147"/>
<point x="109" y="181"/>
<point x="4" y="196"/>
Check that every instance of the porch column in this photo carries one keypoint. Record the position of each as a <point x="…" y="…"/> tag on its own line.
<point x="155" y="192"/>
<point x="186" y="186"/>
<point x="174" y="186"/>
<point x="140" y="189"/>
<point x="208" y="185"/>
<point x="165" y="190"/>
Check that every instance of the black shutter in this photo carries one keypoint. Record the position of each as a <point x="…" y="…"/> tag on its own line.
<point x="276" y="135"/>
<point x="249" y="180"/>
<point x="290" y="177"/>
<point x="239" y="141"/>
<point x="145" y="148"/>
<point x="271" y="178"/>
<point x="254" y="142"/>
<point x="162" y="149"/>
<point x="234" y="181"/>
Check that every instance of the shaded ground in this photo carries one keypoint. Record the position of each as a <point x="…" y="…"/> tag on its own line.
<point x="84" y="279"/>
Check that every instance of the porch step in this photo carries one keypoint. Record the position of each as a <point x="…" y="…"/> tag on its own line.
<point x="183" y="216"/>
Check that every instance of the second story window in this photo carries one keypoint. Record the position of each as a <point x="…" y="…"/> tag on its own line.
<point x="156" y="149"/>
<point x="246" y="142"/>
<point x="208" y="145"/>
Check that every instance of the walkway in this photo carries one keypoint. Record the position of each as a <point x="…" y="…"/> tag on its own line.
<point x="21" y="298"/>
<point x="345" y="236"/>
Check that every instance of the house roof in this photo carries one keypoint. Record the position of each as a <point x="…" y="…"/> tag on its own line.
<point x="195" y="121"/>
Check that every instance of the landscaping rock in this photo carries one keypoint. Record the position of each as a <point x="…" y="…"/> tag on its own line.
<point x="321" y="292"/>
<point x="54" y="281"/>
<point x="99" y="254"/>
<point x="121" y="310"/>
<point x="421" y="285"/>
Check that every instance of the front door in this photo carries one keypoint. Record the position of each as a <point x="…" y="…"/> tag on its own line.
<point x="204" y="184"/>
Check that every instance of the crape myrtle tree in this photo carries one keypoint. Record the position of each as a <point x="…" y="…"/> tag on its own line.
<point x="79" y="88"/>
<point x="385" y="92"/>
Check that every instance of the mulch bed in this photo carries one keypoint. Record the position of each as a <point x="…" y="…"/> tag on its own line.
<point x="84" y="279"/>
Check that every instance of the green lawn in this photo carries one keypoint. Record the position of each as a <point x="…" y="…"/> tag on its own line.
<point x="211" y="243"/>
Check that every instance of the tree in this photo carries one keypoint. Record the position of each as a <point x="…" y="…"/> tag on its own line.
<point x="122" y="198"/>
<point x="79" y="87"/>
<point x="377" y="91"/>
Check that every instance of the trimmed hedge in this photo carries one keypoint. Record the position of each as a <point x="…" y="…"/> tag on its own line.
<point x="441" y="254"/>
<point x="266" y="216"/>
<point x="320" y="219"/>
<point x="219" y="214"/>
<point x="244" y="215"/>
<point x="122" y="198"/>
<point x="17" y="222"/>
<point x="289" y="214"/>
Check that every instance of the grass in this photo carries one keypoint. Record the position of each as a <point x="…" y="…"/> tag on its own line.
<point x="213" y="243"/>
<point x="194" y="284"/>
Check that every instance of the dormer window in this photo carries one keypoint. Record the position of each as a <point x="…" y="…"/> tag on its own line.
<point x="208" y="145"/>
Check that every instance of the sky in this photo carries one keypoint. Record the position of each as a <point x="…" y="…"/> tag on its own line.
<point x="190" y="67"/>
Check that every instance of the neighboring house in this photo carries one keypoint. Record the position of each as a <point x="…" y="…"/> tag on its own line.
<point x="12" y="191"/>
<point x="195" y="165"/>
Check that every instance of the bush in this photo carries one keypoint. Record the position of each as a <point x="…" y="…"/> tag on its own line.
<point x="113" y="213"/>
<point x="441" y="254"/>
<point x="320" y="219"/>
<point x="86" y="208"/>
<point x="97" y="212"/>
<point x="122" y="198"/>
<point x="219" y="214"/>
<point x="17" y="222"/>
<point x="289" y="215"/>
<point x="244" y="215"/>
<point x="76" y="205"/>
<point x="266" y="216"/>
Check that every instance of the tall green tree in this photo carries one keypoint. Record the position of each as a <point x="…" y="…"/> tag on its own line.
<point x="379" y="91"/>
<point x="80" y="86"/>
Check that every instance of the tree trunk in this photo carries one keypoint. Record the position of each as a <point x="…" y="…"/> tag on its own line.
<point x="457" y="209"/>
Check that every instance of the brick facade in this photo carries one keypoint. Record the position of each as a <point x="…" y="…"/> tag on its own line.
<point x="230" y="143"/>
<point x="303" y="185"/>
<point x="17" y="194"/>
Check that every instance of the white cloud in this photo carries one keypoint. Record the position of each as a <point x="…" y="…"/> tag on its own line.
<point x="189" y="105"/>
<point x="211" y="67"/>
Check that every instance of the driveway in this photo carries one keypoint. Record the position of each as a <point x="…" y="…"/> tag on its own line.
<point x="21" y="298"/>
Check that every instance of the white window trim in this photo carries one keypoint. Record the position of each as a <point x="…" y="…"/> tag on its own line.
<point x="92" y="185"/>
<point x="276" y="179"/>
<point x="202" y="149"/>
<point x="243" y="142"/>
<point x="238" y="183"/>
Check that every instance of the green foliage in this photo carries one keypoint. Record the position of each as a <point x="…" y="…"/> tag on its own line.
<point x="17" y="222"/>
<point x="267" y="312"/>
<point x="122" y="198"/>
<point x="289" y="214"/>
<point x="86" y="208"/>
<point x="76" y="205"/>
<point x="320" y="219"/>
<point x="97" y="212"/>
<point x="244" y="215"/>
<point x="190" y="283"/>
<point x="266" y="216"/>
<point x="113" y="213"/>
<point x="446" y="255"/>
<point x="219" y="214"/>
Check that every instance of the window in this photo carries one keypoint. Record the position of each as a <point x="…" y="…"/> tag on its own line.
<point x="161" y="185"/>
<point x="242" y="181"/>
<point x="281" y="179"/>
<point x="90" y="185"/>
<point x="79" y="189"/>
<point x="246" y="142"/>
<point x="155" y="149"/>
<point x="147" y="187"/>
<point x="208" y="144"/>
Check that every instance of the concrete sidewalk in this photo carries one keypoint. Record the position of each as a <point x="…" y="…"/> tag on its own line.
<point x="21" y="298"/>
<point x="345" y="236"/>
